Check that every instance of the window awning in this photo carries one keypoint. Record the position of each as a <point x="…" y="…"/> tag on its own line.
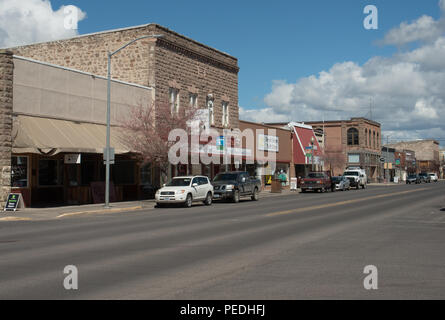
<point x="51" y="136"/>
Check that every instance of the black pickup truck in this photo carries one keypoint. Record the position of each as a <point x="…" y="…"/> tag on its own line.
<point x="235" y="184"/>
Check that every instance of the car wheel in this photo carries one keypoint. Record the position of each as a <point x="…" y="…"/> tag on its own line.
<point x="255" y="195"/>
<point x="188" y="201"/>
<point x="159" y="205"/>
<point x="236" y="196"/>
<point x="208" y="200"/>
<point x="303" y="191"/>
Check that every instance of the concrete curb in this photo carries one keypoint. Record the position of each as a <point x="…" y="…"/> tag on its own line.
<point x="100" y="211"/>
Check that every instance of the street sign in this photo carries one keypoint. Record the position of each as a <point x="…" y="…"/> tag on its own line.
<point x="382" y="160"/>
<point x="111" y="155"/>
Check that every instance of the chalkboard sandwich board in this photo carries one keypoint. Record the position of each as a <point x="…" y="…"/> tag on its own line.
<point x="13" y="202"/>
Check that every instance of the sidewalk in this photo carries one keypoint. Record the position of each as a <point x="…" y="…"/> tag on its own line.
<point x="35" y="214"/>
<point x="28" y="214"/>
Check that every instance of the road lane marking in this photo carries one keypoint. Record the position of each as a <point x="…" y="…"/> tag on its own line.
<point x="340" y="203"/>
<point x="100" y="211"/>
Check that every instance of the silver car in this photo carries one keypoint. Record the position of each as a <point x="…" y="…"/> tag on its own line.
<point x="341" y="183"/>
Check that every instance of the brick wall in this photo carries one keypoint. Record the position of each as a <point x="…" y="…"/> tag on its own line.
<point x="6" y="86"/>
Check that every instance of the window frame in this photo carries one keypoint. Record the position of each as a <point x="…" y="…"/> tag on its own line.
<point x="174" y="100"/>
<point x="353" y="137"/>
<point x="225" y="114"/>
<point x="60" y="175"/>
<point x="27" y="171"/>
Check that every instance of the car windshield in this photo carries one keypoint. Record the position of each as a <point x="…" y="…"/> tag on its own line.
<point x="432" y="174"/>
<point x="351" y="173"/>
<point x="313" y="175"/>
<point x="226" y="177"/>
<point x="337" y="179"/>
<point x="412" y="176"/>
<point x="179" y="182"/>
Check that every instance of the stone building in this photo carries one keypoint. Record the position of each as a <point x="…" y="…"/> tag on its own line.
<point x="53" y="102"/>
<point x="174" y="66"/>
<point x="427" y="153"/>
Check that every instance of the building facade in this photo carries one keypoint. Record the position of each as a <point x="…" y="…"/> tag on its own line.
<point x="50" y="89"/>
<point x="427" y="154"/>
<point x="354" y="142"/>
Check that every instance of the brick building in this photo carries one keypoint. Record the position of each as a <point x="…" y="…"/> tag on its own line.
<point x="354" y="142"/>
<point x="60" y="85"/>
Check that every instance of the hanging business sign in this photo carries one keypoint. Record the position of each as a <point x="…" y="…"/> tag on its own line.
<point x="73" y="158"/>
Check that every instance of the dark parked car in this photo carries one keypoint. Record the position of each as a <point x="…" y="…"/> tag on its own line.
<point x="317" y="181"/>
<point x="424" y="177"/>
<point x="236" y="184"/>
<point x="413" y="178"/>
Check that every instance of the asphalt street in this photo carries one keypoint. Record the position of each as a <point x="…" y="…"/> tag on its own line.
<point x="299" y="246"/>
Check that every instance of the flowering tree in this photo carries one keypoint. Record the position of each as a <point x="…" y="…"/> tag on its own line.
<point x="146" y="132"/>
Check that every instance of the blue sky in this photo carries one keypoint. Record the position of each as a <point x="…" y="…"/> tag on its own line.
<point x="279" y="40"/>
<point x="299" y="60"/>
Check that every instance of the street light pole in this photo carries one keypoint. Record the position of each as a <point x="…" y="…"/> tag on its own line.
<point x="107" y="149"/>
<point x="313" y="153"/>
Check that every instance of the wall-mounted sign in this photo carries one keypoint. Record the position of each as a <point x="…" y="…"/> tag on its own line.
<point x="73" y="158"/>
<point x="220" y="142"/>
<point x="13" y="202"/>
<point x="268" y="143"/>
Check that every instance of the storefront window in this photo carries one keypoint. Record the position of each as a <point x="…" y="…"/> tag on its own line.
<point x="50" y="172"/>
<point x="123" y="172"/>
<point x="19" y="172"/>
<point x="354" y="158"/>
<point x="146" y="176"/>
<point x="88" y="172"/>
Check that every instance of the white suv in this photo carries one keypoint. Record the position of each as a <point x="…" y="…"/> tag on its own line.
<point x="433" y="177"/>
<point x="186" y="190"/>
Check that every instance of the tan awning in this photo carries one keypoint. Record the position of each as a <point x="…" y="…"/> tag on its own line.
<point x="50" y="136"/>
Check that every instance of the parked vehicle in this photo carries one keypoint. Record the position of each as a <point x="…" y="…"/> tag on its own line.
<point x="341" y="183"/>
<point x="316" y="181"/>
<point x="357" y="177"/>
<point x="236" y="184"/>
<point x="433" y="177"/>
<point x="424" y="177"/>
<point x="186" y="190"/>
<point x="413" y="178"/>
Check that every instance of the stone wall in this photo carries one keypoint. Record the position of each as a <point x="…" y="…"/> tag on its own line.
<point x="6" y="89"/>
<point x="426" y="150"/>
<point x="173" y="61"/>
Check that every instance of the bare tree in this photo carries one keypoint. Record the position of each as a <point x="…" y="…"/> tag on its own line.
<point x="333" y="161"/>
<point x="147" y="128"/>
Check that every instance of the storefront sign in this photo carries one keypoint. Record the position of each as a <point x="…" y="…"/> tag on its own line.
<point x="268" y="143"/>
<point x="13" y="202"/>
<point x="73" y="158"/>
<point x="293" y="184"/>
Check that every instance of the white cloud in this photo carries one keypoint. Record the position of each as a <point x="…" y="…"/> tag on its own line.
<point x="29" y="21"/>
<point x="423" y="29"/>
<point x="406" y="91"/>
